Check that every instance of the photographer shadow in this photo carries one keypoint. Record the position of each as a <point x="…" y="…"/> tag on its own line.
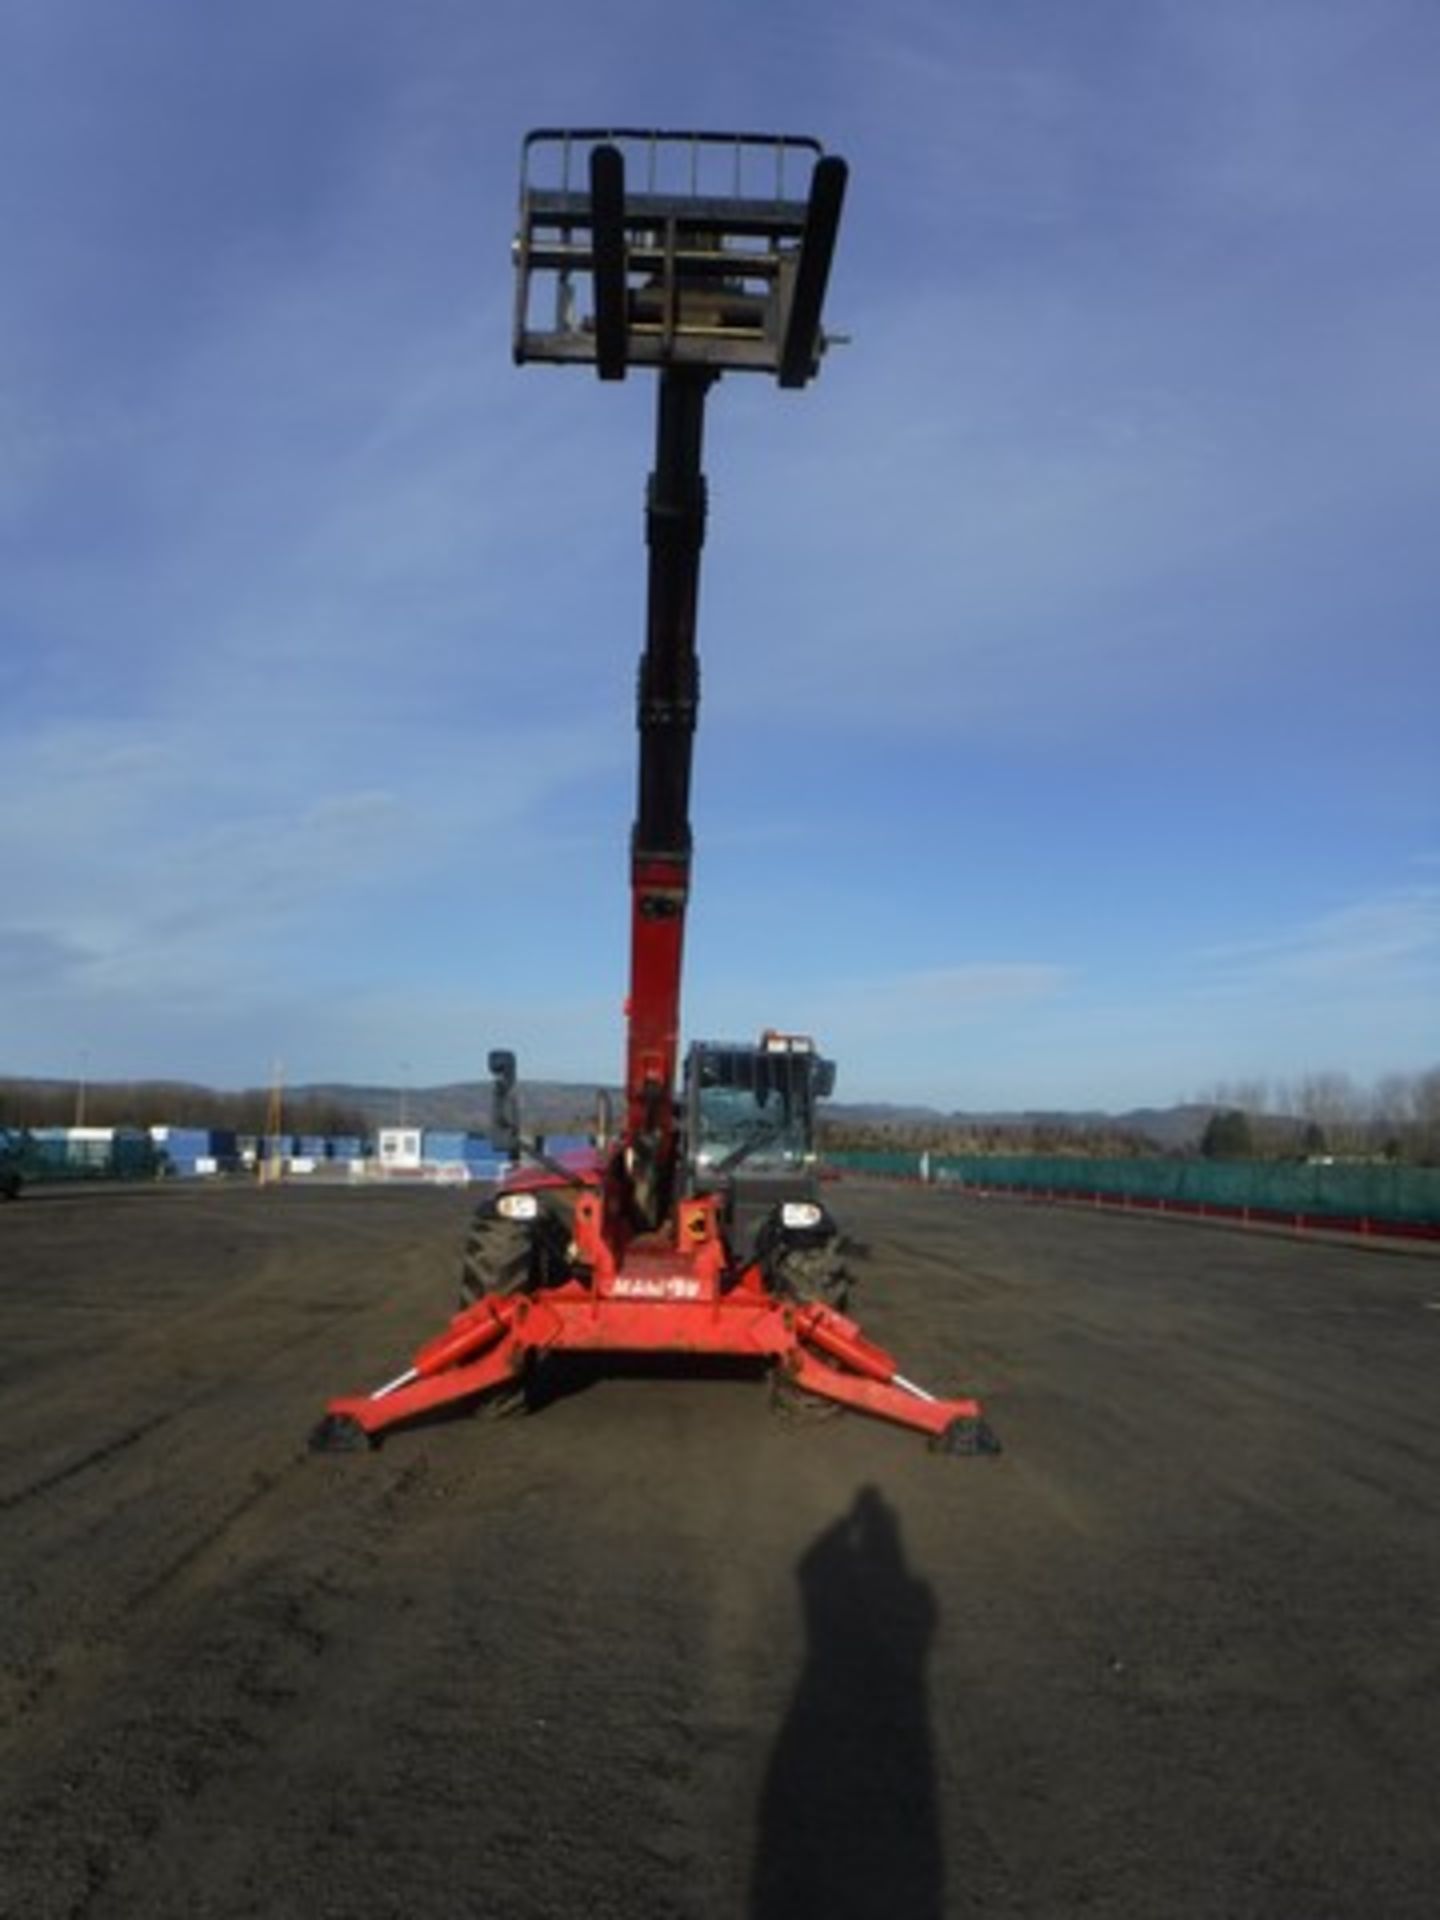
<point x="848" y="1816"/>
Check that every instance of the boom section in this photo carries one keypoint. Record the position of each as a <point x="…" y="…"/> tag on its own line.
<point x="690" y="254"/>
<point x="667" y="702"/>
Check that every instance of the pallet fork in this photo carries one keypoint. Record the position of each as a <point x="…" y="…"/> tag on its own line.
<point x="714" y="257"/>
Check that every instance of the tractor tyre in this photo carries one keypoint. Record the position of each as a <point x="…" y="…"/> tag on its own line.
<point x="499" y="1257"/>
<point x="816" y="1276"/>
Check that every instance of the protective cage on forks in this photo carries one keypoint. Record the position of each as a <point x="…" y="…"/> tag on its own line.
<point x="691" y="249"/>
<point x="695" y="255"/>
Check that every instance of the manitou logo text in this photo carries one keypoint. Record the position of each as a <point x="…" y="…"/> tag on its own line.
<point x="674" y="1286"/>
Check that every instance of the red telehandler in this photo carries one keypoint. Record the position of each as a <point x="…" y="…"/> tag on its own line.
<point x="699" y="1228"/>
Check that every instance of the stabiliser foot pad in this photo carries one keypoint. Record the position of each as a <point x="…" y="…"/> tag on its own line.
<point x="967" y="1437"/>
<point x="339" y="1433"/>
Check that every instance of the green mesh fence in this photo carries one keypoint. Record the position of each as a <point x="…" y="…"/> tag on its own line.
<point x="1405" y="1195"/>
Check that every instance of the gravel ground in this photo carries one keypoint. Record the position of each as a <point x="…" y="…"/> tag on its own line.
<point x="652" y="1651"/>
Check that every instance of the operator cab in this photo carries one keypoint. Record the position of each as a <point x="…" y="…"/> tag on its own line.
<point x="750" y="1110"/>
<point x="750" y="1136"/>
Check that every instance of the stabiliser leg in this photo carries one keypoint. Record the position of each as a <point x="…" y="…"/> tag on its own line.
<point x="869" y="1381"/>
<point x="476" y="1352"/>
<point x="817" y="1350"/>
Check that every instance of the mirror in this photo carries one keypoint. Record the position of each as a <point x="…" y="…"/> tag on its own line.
<point x="504" y="1107"/>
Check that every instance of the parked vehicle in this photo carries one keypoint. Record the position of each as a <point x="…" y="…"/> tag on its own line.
<point x="14" y="1162"/>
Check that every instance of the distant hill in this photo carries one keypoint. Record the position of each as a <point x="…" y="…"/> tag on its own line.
<point x="555" y="1106"/>
<point x="552" y="1106"/>
<point x="547" y="1106"/>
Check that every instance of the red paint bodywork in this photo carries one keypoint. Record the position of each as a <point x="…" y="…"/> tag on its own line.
<point x="672" y="1292"/>
<point x="657" y="941"/>
<point x="487" y="1346"/>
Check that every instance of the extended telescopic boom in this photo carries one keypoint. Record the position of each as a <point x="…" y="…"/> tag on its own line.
<point x="710" y="266"/>
<point x="667" y="702"/>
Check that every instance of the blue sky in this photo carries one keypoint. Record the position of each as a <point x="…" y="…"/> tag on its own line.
<point x="1068" y="726"/>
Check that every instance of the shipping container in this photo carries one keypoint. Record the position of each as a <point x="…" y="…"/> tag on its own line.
<point x="100" y="1153"/>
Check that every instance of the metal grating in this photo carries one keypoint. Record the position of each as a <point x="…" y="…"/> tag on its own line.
<point x="659" y="249"/>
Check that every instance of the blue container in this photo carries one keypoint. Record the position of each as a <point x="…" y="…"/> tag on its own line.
<point x="442" y="1145"/>
<point x="344" y="1146"/>
<point x="182" y="1144"/>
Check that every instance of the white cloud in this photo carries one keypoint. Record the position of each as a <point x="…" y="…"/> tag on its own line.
<point x="1371" y="948"/>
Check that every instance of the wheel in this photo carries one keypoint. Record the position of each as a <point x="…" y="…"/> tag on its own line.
<point x="815" y="1275"/>
<point x="513" y="1256"/>
<point x="499" y="1257"/>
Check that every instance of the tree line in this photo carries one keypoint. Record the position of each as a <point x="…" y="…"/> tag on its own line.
<point x="957" y="1136"/>
<point x="1327" y="1115"/>
<point x="1320" y="1115"/>
<point x="175" y="1103"/>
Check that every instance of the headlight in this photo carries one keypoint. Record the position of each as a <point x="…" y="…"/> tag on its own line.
<point x="799" y="1214"/>
<point x="517" y="1206"/>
